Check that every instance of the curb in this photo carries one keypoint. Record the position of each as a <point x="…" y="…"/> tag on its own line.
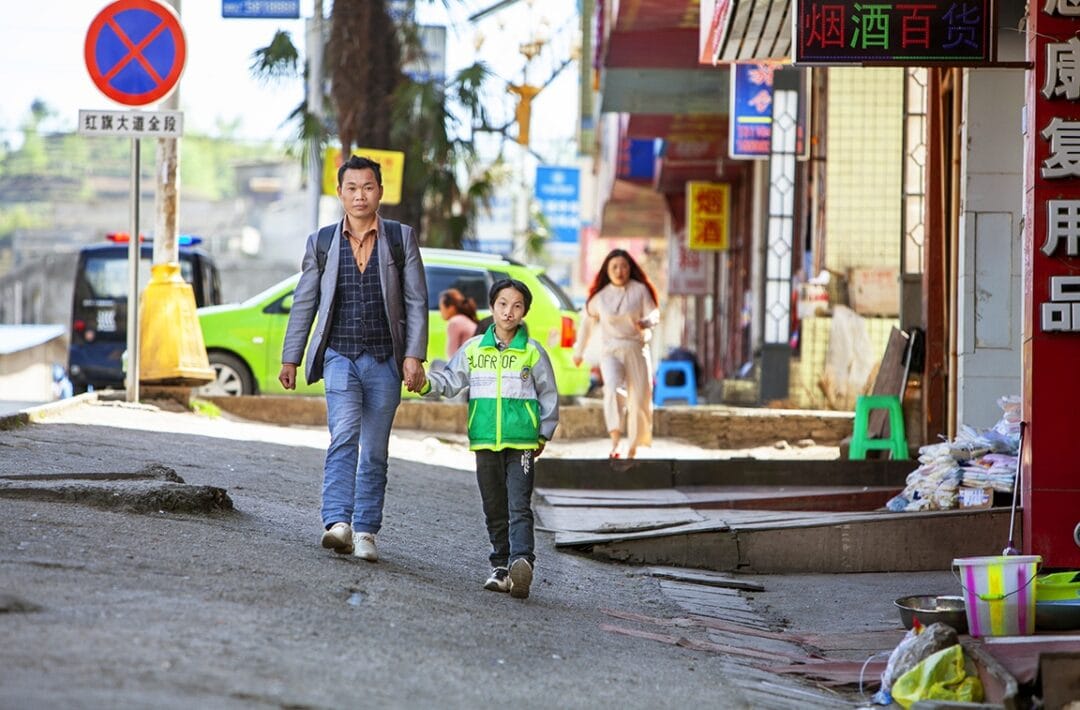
<point x="43" y="411"/>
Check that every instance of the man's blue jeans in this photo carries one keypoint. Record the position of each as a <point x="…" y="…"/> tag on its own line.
<point x="505" y="479"/>
<point x="362" y="396"/>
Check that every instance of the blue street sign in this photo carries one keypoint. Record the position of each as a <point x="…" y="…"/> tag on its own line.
<point x="266" y="9"/>
<point x="558" y="192"/>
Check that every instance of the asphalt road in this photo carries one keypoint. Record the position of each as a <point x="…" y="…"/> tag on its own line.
<point x="243" y="609"/>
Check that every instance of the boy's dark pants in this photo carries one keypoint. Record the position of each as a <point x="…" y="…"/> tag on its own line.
<point x="506" y="485"/>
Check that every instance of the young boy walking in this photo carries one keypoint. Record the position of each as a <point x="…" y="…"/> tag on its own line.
<point x="513" y="411"/>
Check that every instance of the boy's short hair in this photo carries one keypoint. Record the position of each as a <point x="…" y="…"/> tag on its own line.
<point x="359" y="162"/>
<point x="510" y="283"/>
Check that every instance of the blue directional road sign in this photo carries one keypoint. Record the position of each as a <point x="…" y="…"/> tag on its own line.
<point x="266" y="9"/>
<point x="558" y="192"/>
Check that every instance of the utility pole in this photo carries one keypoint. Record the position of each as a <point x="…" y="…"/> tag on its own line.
<point x="167" y="201"/>
<point x="171" y="350"/>
<point x="315" y="108"/>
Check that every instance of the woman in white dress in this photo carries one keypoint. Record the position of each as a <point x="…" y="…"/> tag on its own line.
<point x="621" y="311"/>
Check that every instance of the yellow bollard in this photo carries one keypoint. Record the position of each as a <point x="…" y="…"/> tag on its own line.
<point x="172" y="351"/>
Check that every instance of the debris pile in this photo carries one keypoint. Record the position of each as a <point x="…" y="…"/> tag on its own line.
<point x="974" y="459"/>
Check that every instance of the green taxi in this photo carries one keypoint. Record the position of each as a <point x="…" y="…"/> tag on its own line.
<point x="243" y="340"/>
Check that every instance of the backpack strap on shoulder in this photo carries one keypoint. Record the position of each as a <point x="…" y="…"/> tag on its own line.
<point x="322" y="245"/>
<point x="397" y="247"/>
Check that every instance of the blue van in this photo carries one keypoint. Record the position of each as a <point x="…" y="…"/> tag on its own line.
<point x="99" y="304"/>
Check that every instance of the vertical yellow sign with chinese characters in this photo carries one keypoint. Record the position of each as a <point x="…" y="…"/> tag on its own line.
<point x="391" y="165"/>
<point x="708" y="210"/>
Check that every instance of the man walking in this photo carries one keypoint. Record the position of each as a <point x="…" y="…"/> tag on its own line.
<point x="364" y="280"/>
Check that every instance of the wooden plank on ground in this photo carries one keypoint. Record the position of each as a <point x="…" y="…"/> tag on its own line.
<point x="658" y="497"/>
<point x="1019" y="655"/>
<point x="718" y="550"/>
<point x="765" y="498"/>
<point x="718" y="603"/>
<point x="869" y="641"/>
<point x="614" y="520"/>
<point x="837" y="672"/>
<point x="711" y="494"/>
<point x="699" y="645"/>
<point x="758" y="517"/>
<point x="807" y="698"/>
<point x="703" y="622"/>
<point x="713" y="579"/>
<point x="575" y="539"/>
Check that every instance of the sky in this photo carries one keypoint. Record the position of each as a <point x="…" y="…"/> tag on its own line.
<point x="41" y="50"/>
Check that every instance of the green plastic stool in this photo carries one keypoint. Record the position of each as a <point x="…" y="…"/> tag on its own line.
<point x="860" y="439"/>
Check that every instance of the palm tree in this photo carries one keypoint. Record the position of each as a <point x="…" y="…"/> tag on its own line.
<point x="364" y="64"/>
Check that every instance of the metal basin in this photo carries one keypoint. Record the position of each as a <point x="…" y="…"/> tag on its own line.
<point x="1057" y="616"/>
<point x="931" y="609"/>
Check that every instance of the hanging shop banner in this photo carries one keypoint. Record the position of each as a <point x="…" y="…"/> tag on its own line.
<point x="750" y="137"/>
<point x="391" y="165"/>
<point x="708" y="211"/>
<point x="916" y="33"/>
<point x="688" y="271"/>
<point x="637" y="159"/>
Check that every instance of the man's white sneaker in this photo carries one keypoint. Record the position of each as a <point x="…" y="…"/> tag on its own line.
<point x="499" y="581"/>
<point x="339" y="538"/>
<point x="364" y="547"/>
<point x="521" y="573"/>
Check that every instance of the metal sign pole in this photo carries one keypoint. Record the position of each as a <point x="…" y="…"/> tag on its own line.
<point x="134" y="250"/>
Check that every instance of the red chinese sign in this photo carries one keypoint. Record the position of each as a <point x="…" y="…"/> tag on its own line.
<point x="1051" y="484"/>
<point x="910" y="32"/>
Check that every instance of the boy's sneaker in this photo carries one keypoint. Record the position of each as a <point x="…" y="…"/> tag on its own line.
<point x="365" y="547"/>
<point x="339" y="538"/>
<point x="499" y="581"/>
<point x="520" y="578"/>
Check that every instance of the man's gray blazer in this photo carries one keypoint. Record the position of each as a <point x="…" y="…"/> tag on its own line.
<point x="406" y="305"/>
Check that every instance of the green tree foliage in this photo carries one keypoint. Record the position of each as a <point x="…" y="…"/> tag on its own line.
<point x="31" y="158"/>
<point x="206" y="169"/>
<point x="78" y="167"/>
<point x="19" y="217"/>
<point x="445" y="185"/>
<point x="277" y="60"/>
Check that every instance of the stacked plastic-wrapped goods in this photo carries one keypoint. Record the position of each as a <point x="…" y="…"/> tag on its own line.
<point x="975" y="459"/>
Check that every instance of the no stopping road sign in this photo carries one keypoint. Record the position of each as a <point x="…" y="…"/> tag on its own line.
<point x="135" y="51"/>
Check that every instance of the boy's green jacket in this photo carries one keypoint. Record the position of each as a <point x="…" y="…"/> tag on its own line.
<point x="513" y="401"/>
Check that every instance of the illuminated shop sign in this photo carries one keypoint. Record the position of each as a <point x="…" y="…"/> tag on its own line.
<point x="902" y="32"/>
<point x="750" y="112"/>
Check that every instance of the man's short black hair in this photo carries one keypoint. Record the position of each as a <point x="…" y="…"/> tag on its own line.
<point x="359" y="162"/>
<point x="510" y="283"/>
